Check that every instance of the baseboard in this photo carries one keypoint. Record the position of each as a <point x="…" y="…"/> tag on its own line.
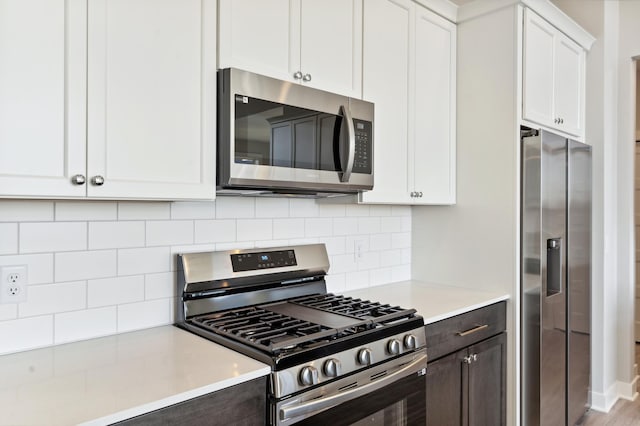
<point x="628" y="391"/>
<point x="604" y="401"/>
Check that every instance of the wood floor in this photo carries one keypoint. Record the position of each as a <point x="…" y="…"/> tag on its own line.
<point x="624" y="413"/>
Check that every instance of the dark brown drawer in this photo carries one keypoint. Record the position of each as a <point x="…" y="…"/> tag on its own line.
<point x="451" y="334"/>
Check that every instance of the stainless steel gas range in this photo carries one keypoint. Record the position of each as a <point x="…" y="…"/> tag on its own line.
<point x="334" y="359"/>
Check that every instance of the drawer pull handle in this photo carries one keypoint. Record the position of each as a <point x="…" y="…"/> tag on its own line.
<point x="473" y="330"/>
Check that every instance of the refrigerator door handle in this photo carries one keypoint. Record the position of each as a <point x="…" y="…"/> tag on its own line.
<point x="554" y="266"/>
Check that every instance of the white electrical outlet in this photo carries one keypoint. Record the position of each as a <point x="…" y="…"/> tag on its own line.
<point x="13" y="284"/>
<point x="358" y="250"/>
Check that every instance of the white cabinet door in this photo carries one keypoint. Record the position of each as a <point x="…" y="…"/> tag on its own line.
<point x="569" y="84"/>
<point x="331" y="45"/>
<point x="151" y="98"/>
<point x="538" y="77"/>
<point x="432" y="156"/>
<point x="553" y="79"/>
<point x="260" y="36"/>
<point x="387" y="62"/>
<point x="42" y="97"/>
<point x="313" y="42"/>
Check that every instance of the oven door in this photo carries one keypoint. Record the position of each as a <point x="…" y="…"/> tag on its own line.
<point x="393" y="393"/>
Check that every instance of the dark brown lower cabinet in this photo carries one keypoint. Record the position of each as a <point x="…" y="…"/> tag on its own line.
<point x="468" y="387"/>
<point x="243" y="404"/>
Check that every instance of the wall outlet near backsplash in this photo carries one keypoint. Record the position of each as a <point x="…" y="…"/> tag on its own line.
<point x="13" y="284"/>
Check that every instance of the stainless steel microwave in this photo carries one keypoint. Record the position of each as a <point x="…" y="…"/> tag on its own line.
<point x="278" y="137"/>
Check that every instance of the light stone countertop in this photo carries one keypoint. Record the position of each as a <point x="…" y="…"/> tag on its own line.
<point x="108" y="379"/>
<point x="432" y="301"/>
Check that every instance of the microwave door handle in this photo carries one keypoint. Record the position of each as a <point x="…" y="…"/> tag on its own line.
<point x="346" y="172"/>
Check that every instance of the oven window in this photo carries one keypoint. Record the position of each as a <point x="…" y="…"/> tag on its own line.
<point x="402" y="403"/>
<point x="273" y="134"/>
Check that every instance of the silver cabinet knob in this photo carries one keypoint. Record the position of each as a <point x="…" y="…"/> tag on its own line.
<point x="97" y="180"/>
<point x="562" y="121"/>
<point x="409" y="341"/>
<point x="78" y="179"/>
<point x="331" y="367"/>
<point x="393" y="347"/>
<point x="467" y="359"/>
<point x="364" y="356"/>
<point x="474" y="357"/>
<point x="307" y="77"/>
<point x="555" y="120"/>
<point x="297" y="75"/>
<point x="420" y="194"/>
<point x="308" y="376"/>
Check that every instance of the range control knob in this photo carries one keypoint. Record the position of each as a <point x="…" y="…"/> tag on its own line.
<point x="364" y="356"/>
<point x="393" y="347"/>
<point x="308" y="376"/>
<point x="331" y="367"/>
<point x="409" y="341"/>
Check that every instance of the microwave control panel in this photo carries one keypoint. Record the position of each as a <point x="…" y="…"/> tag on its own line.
<point x="364" y="139"/>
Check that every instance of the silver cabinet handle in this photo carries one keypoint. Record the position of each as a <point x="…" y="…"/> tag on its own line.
<point x="474" y="357"/>
<point x="562" y="121"/>
<point x="346" y="172"/>
<point x="78" y="179"/>
<point x="297" y="75"/>
<point x="473" y="330"/>
<point x="466" y="360"/>
<point x="420" y="194"/>
<point x="307" y="77"/>
<point x="97" y="180"/>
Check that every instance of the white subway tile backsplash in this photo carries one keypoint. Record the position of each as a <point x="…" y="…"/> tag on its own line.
<point x="84" y="265"/>
<point x="115" y="291"/>
<point x="318" y="227"/>
<point x="86" y="210"/>
<point x="87" y="324"/>
<point x="26" y="211"/>
<point x="39" y="266"/>
<point x="381" y="276"/>
<point x="53" y="298"/>
<point x="235" y="207"/>
<point x="169" y="232"/>
<point x="288" y="228"/>
<point x="401" y="273"/>
<point x="401" y="240"/>
<point x="158" y="286"/>
<point x="135" y="316"/>
<point x="345" y="226"/>
<point x="254" y="229"/>
<point x="303" y="207"/>
<point x="215" y="231"/>
<point x="331" y="210"/>
<point x="26" y="333"/>
<point x="8" y="238"/>
<point x="114" y="262"/>
<point x="357" y="280"/>
<point x="379" y="241"/>
<point x="272" y="207"/>
<point x="193" y="210"/>
<point x="123" y="234"/>
<point x="358" y="210"/>
<point x="8" y="312"/>
<point x="336" y="283"/>
<point x="368" y="225"/>
<point x="52" y="236"/>
<point x="144" y="260"/>
<point x="144" y="210"/>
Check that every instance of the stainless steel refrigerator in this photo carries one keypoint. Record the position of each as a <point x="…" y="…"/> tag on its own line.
<point x="556" y="279"/>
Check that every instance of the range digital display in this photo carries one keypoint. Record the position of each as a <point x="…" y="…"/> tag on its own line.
<point x="263" y="260"/>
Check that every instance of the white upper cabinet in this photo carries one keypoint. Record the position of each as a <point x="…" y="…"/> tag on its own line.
<point x="409" y="73"/>
<point x="107" y="99"/>
<point x="553" y="80"/>
<point x="151" y="97"/>
<point x="312" y="42"/>
<point x="42" y="97"/>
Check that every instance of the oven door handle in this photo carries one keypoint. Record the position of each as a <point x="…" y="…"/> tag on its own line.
<point x="351" y="131"/>
<point x="416" y="366"/>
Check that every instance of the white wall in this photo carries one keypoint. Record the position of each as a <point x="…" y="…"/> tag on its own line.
<point x="100" y="268"/>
